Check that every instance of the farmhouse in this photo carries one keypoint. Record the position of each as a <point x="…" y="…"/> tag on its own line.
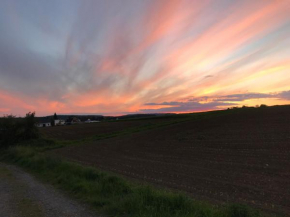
<point x="75" y="120"/>
<point x="43" y="122"/>
<point x="59" y="122"/>
<point x="91" y="121"/>
<point x="88" y="121"/>
<point x="48" y="124"/>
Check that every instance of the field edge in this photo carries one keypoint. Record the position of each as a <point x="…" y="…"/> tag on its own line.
<point x="112" y="195"/>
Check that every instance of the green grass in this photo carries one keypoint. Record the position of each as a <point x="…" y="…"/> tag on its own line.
<point x="113" y="195"/>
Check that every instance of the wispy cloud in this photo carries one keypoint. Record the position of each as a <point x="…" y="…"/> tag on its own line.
<point x="187" y="107"/>
<point x="206" y="103"/>
<point x="284" y="95"/>
<point x="115" y="56"/>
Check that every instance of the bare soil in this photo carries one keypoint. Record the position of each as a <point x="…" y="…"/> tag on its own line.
<point x="84" y="130"/>
<point x="242" y="157"/>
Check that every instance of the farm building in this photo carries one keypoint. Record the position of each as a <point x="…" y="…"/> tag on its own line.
<point x="43" y="124"/>
<point x="91" y="121"/>
<point x="75" y="120"/>
<point x="59" y="122"/>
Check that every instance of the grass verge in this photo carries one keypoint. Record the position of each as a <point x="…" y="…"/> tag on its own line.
<point x="112" y="195"/>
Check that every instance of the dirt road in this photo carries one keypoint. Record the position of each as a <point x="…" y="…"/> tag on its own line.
<point x="21" y="195"/>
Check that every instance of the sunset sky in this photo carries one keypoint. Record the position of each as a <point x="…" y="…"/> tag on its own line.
<point x="116" y="57"/>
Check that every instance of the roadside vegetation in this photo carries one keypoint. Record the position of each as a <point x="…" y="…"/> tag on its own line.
<point x="106" y="192"/>
<point x="113" y="195"/>
<point x="14" y="130"/>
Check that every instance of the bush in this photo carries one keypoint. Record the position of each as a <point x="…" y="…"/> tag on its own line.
<point x="14" y="130"/>
<point x="263" y="106"/>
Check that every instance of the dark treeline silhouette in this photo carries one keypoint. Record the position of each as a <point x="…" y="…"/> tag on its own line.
<point x="249" y="107"/>
<point x="14" y="130"/>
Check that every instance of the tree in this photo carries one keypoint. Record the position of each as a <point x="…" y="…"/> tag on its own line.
<point x="14" y="130"/>
<point x="55" y="116"/>
<point x="30" y="130"/>
<point x="52" y="123"/>
<point x="263" y="106"/>
<point x="8" y="130"/>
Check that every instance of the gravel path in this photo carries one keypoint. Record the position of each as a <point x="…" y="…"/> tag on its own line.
<point x="21" y="195"/>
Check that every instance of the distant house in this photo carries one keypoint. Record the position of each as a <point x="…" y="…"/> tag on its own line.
<point x="43" y="124"/>
<point x="75" y="120"/>
<point x="91" y="121"/>
<point x="59" y="122"/>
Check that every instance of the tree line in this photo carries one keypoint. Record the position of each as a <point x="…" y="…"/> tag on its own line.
<point x="14" y="130"/>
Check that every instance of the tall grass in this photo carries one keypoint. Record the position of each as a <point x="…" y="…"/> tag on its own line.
<point x="113" y="195"/>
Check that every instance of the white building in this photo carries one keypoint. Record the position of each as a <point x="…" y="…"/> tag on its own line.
<point x="90" y="121"/>
<point x="59" y="122"/>
<point x="43" y="124"/>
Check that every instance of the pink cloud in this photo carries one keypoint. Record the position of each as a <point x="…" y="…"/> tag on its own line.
<point x="168" y="51"/>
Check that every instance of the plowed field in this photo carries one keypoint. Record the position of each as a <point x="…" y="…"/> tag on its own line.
<point x="81" y="131"/>
<point x="241" y="157"/>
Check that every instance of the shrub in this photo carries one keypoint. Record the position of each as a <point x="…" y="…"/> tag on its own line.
<point x="263" y="106"/>
<point x="8" y="130"/>
<point x="14" y="130"/>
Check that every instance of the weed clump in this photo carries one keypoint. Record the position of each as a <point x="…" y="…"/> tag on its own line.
<point x="238" y="210"/>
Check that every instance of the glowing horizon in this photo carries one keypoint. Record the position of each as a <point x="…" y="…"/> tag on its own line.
<point x="113" y="57"/>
